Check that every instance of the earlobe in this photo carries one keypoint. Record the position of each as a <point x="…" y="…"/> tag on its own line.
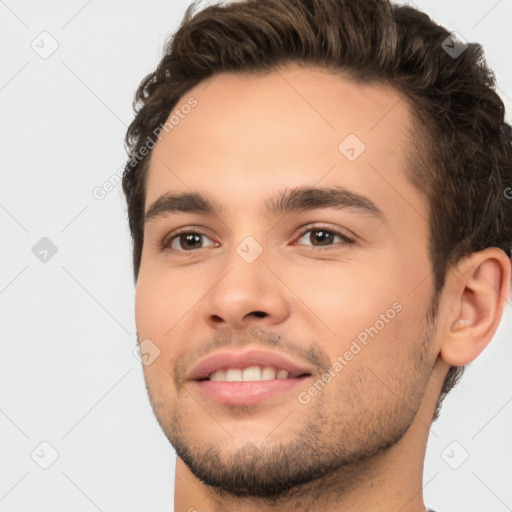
<point x="477" y="291"/>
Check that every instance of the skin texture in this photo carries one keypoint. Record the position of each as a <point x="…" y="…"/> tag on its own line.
<point x="359" y="443"/>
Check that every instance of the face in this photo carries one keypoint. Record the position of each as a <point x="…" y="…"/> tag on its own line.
<point x="300" y="258"/>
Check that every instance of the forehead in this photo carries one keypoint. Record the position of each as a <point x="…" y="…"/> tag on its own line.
<point x="248" y="135"/>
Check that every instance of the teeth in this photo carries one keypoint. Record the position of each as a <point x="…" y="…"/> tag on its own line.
<point x="268" y="373"/>
<point x="219" y="375"/>
<point x="251" y="373"/>
<point x="233" y="375"/>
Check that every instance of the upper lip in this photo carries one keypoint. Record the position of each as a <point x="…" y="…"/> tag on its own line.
<point x="252" y="357"/>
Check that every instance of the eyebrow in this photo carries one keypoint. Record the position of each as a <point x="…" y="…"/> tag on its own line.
<point x="298" y="199"/>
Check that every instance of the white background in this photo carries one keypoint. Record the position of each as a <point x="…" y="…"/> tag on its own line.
<point x="68" y="375"/>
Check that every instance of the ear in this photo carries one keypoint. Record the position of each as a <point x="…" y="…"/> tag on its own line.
<point x="476" y="290"/>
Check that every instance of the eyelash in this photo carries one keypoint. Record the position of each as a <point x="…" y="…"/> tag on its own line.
<point x="165" y="244"/>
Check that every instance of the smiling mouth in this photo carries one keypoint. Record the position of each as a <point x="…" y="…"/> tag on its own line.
<point x="255" y="373"/>
<point x="242" y="378"/>
<point x="251" y="385"/>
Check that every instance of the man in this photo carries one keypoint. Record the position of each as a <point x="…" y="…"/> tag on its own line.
<point x="317" y="199"/>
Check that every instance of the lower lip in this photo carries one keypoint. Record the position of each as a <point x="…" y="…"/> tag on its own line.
<point x="243" y="393"/>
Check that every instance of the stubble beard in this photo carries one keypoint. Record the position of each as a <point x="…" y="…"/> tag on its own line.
<point x="341" y="434"/>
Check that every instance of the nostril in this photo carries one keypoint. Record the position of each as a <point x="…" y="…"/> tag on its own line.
<point x="259" y="314"/>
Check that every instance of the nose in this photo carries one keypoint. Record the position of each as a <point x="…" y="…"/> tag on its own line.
<point x="247" y="294"/>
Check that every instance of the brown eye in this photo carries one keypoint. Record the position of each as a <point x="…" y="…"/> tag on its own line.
<point x="322" y="237"/>
<point x="187" y="241"/>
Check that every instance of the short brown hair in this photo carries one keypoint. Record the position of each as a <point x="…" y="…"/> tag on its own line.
<point x="463" y="150"/>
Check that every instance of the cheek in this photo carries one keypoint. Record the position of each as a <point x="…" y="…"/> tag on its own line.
<point x="347" y="297"/>
<point x="164" y="302"/>
<point x="160" y="312"/>
<point x="150" y="302"/>
<point x="367" y="307"/>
